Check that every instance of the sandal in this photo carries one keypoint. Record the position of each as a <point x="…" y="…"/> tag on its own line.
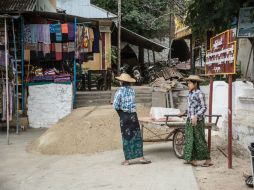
<point x="207" y="165"/>
<point x="125" y="163"/>
<point x="145" y="161"/>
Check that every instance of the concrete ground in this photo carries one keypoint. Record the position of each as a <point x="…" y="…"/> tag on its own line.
<point x="20" y="170"/>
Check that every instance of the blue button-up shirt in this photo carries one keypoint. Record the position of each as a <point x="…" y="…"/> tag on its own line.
<point x="125" y="99"/>
<point x="196" y="104"/>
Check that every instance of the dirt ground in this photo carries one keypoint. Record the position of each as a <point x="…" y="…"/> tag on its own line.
<point x="219" y="176"/>
<point x="96" y="129"/>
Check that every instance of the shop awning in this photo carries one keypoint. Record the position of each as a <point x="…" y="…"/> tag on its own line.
<point x="133" y="38"/>
<point x="56" y="16"/>
<point x="17" y="5"/>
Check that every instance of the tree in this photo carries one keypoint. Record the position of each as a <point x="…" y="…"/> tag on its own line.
<point x="213" y="15"/>
<point x="146" y="17"/>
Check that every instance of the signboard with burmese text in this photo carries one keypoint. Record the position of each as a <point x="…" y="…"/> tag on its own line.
<point x="221" y="57"/>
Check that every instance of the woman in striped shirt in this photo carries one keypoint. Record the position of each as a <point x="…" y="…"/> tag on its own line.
<point x="195" y="143"/>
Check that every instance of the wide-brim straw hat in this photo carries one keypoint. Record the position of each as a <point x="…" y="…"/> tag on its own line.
<point x="125" y="78"/>
<point x="194" y="78"/>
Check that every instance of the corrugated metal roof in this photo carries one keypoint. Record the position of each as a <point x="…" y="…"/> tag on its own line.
<point x="136" y="39"/>
<point x="83" y="8"/>
<point x="17" y="5"/>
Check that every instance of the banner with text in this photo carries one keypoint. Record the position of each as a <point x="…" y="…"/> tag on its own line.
<point x="221" y="57"/>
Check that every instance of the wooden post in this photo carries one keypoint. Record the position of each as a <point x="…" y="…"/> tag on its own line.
<point x="6" y="80"/>
<point x="170" y="39"/>
<point x="119" y="37"/>
<point x="141" y="55"/>
<point x="230" y="121"/>
<point x="210" y="111"/>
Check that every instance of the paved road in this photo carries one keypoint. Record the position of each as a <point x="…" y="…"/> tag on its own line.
<point x="20" y="170"/>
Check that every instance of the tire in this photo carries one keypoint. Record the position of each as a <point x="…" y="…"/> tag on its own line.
<point x="178" y="143"/>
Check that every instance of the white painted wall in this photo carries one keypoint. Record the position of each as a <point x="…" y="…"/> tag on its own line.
<point x="243" y="58"/>
<point x="48" y="103"/>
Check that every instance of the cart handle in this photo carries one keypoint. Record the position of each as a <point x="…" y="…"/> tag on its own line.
<point x="174" y="115"/>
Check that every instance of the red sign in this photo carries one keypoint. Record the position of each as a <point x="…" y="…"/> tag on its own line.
<point x="221" y="57"/>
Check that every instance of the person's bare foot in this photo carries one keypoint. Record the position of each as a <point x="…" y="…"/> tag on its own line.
<point x="207" y="163"/>
<point x="144" y="161"/>
<point x="125" y="163"/>
<point x="194" y="163"/>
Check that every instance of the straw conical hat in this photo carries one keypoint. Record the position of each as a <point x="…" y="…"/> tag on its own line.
<point x="194" y="78"/>
<point x="126" y="78"/>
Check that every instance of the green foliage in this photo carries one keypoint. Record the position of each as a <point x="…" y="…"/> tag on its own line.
<point x="214" y="15"/>
<point x="146" y="17"/>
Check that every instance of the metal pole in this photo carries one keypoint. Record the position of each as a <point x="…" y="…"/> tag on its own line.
<point x="210" y="111"/>
<point x="229" y="121"/>
<point x="7" y="82"/>
<point x="119" y="36"/>
<point x="22" y="65"/>
<point x="17" y="88"/>
<point x="75" y="68"/>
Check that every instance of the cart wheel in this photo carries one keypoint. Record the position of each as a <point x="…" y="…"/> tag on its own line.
<point x="178" y="143"/>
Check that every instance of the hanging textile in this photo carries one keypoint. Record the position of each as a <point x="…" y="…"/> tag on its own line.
<point x="91" y="40"/>
<point x="65" y="51"/>
<point x="71" y="50"/>
<point x="33" y="51"/>
<point x="85" y="38"/>
<point x="52" y="33"/>
<point x="34" y="33"/>
<point x="58" y="31"/>
<point x="40" y="51"/>
<point x="46" y="51"/>
<point x="96" y="43"/>
<point x="53" y="51"/>
<point x="64" y="28"/>
<point x="58" y="51"/>
<point x="27" y="34"/>
<point x="2" y="58"/>
<point x="46" y="34"/>
<point x="71" y="32"/>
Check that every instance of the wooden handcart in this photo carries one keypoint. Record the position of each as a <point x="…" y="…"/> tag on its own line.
<point x="176" y="133"/>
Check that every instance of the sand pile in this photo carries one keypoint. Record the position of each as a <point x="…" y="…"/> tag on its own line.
<point x="84" y="131"/>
